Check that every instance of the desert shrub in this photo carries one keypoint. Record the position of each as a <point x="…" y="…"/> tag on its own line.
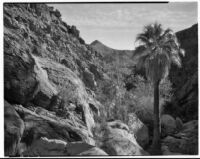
<point x="98" y="133"/>
<point x="81" y="40"/>
<point x="142" y="99"/>
<point x="73" y="30"/>
<point x="57" y="13"/>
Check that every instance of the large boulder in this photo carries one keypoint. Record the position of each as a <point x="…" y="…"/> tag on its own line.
<point x="45" y="147"/>
<point x="81" y="148"/>
<point x="71" y="91"/>
<point x="138" y="129"/>
<point x="13" y="130"/>
<point x="95" y="151"/>
<point x="118" y="141"/>
<point x="29" y="81"/>
<point x="185" y="141"/>
<point x="168" y="125"/>
<point x="117" y="124"/>
<point x="46" y="124"/>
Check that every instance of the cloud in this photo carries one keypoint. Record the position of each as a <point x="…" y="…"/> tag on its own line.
<point x="107" y="21"/>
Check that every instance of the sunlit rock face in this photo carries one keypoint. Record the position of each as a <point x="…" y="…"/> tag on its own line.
<point x="49" y="75"/>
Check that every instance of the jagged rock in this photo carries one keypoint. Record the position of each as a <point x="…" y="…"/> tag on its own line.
<point x="13" y="129"/>
<point x="71" y="90"/>
<point x="120" y="142"/>
<point x="185" y="79"/>
<point x="39" y="80"/>
<point x="45" y="147"/>
<point x="51" y="126"/>
<point x="138" y="129"/>
<point x="27" y="82"/>
<point x="168" y="125"/>
<point x="118" y="124"/>
<point x="185" y="141"/>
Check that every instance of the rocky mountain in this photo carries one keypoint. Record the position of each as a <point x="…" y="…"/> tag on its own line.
<point x="120" y="61"/>
<point x="110" y="54"/>
<point x="50" y="79"/>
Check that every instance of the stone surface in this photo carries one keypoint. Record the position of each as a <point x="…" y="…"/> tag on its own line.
<point x="52" y="127"/>
<point x="13" y="129"/>
<point x="185" y="141"/>
<point x="185" y="79"/>
<point x="138" y="129"/>
<point x="168" y="125"/>
<point x="45" y="147"/>
<point x="119" y="142"/>
<point x="93" y="152"/>
<point x="118" y="124"/>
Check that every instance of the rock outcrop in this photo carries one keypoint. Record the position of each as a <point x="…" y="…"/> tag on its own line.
<point x="139" y="130"/>
<point x="185" y="79"/>
<point x="13" y="129"/>
<point x="185" y="141"/>
<point x="118" y="141"/>
<point x="168" y="124"/>
<point x="45" y="147"/>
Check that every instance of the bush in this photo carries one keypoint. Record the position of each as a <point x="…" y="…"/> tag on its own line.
<point x="81" y="41"/>
<point x="74" y="31"/>
<point x="57" y="13"/>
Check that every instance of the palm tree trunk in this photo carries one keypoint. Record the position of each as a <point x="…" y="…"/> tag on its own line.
<point x="156" y="144"/>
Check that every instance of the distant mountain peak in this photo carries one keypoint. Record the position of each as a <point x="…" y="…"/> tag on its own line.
<point x="96" y="42"/>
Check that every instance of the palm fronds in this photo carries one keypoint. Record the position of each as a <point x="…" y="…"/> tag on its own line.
<point x="157" y="50"/>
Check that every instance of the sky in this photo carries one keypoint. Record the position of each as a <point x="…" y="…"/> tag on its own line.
<point x="117" y="24"/>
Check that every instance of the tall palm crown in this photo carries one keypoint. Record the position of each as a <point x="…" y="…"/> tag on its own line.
<point x="157" y="50"/>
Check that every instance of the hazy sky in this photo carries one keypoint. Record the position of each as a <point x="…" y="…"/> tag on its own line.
<point x="117" y="25"/>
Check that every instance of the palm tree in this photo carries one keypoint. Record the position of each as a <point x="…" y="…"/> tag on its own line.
<point x="156" y="51"/>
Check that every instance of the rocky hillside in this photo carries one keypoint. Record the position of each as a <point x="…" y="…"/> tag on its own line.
<point x="185" y="79"/>
<point x="120" y="61"/>
<point x="111" y="55"/>
<point x="47" y="77"/>
<point x="50" y="79"/>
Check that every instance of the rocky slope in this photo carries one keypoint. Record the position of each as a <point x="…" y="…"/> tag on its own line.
<point x="119" y="61"/>
<point x="47" y="68"/>
<point x="109" y="55"/>
<point x="50" y="79"/>
<point x="185" y="80"/>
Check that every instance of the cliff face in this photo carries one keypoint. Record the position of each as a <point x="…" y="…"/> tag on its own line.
<point x="185" y="79"/>
<point x="49" y="77"/>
